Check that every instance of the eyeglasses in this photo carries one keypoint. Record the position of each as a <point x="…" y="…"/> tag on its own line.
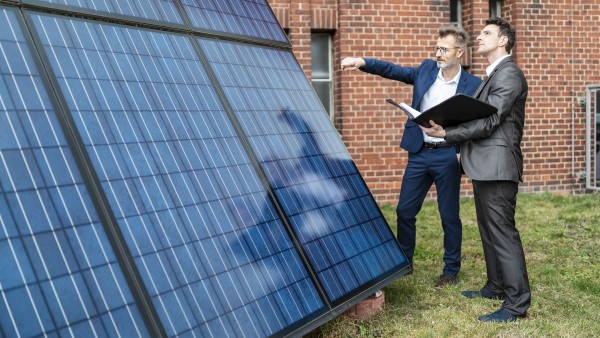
<point x="442" y="50"/>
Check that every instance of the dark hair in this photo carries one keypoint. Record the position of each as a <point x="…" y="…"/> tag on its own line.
<point x="459" y="35"/>
<point x="505" y="30"/>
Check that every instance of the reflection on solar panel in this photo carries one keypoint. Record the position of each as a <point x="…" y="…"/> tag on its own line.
<point x="161" y="184"/>
<point x="306" y="164"/>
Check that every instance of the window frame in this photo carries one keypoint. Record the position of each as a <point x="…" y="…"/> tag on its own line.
<point x="456" y="9"/>
<point x="330" y="107"/>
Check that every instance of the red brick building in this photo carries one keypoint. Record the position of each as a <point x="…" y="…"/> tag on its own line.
<point x="558" y="48"/>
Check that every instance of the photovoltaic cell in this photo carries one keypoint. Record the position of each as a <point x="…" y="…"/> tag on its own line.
<point x="58" y="272"/>
<point x="206" y="238"/>
<point x="158" y="10"/>
<point x="329" y="206"/>
<point x="250" y="18"/>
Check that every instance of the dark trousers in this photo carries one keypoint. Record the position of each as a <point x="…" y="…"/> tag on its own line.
<point x="428" y="166"/>
<point x="495" y="203"/>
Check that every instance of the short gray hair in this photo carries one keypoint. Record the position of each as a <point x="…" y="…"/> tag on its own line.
<point x="459" y="34"/>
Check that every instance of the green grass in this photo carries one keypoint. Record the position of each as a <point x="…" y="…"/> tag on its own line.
<point x="561" y="239"/>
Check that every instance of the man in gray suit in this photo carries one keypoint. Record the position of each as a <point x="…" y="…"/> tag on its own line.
<point x="491" y="156"/>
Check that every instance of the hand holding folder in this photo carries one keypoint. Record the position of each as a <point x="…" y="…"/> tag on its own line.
<point x="455" y="110"/>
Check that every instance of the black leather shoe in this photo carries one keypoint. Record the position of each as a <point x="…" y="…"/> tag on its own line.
<point x="444" y="280"/>
<point x="481" y="294"/>
<point x="500" y="316"/>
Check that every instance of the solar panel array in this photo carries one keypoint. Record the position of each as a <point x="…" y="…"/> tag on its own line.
<point x="157" y="181"/>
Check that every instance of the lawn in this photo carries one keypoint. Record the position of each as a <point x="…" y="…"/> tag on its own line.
<point x="561" y="239"/>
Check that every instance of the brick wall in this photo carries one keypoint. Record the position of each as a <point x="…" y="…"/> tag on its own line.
<point x="557" y="48"/>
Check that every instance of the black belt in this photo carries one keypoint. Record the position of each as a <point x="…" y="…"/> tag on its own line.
<point x="437" y="145"/>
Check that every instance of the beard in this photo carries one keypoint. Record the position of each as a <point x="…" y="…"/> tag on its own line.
<point x="445" y="64"/>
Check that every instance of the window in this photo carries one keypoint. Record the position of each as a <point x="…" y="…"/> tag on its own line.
<point x="495" y="8"/>
<point x="322" y="79"/>
<point x="456" y="12"/>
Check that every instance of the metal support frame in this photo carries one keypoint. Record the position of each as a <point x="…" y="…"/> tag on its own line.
<point x="591" y="121"/>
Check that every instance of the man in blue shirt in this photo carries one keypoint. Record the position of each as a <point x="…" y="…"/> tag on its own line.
<point x="430" y="159"/>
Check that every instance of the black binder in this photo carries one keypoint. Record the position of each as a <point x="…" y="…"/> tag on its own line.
<point x="455" y="110"/>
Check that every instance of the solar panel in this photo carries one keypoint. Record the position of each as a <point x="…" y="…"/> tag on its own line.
<point x="249" y="18"/>
<point x="58" y="272"/>
<point x="156" y="183"/>
<point x="157" y="10"/>
<point x="328" y="204"/>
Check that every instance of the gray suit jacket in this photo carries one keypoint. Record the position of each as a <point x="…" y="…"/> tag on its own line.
<point x="491" y="147"/>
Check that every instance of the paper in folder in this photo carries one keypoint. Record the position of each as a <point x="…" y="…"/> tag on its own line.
<point x="450" y="112"/>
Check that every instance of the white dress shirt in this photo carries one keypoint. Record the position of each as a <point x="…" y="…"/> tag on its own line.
<point x="439" y="91"/>
<point x="490" y="68"/>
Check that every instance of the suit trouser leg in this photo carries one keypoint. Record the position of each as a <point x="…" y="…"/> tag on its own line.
<point x="425" y="167"/>
<point x="495" y="203"/>
<point x="446" y="175"/>
<point x="415" y="185"/>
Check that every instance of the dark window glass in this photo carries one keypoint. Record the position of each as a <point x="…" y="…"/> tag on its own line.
<point x="321" y="69"/>
<point x="495" y="8"/>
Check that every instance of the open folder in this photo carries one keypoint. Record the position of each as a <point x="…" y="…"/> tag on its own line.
<point x="450" y="112"/>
